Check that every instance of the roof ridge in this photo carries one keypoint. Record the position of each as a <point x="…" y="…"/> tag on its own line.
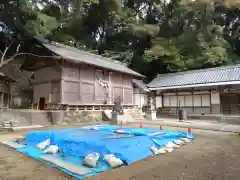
<point x="200" y="70"/>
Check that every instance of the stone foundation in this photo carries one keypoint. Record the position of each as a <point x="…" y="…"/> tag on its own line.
<point x="11" y="118"/>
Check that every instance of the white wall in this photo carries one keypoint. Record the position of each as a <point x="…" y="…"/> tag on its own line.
<point x="187" y="99"/>
<point x="215" y="97"/>
<point x="140" y="99"/>
<point x="158" y="101"/>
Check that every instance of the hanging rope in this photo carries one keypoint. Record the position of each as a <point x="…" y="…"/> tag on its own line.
<point x="102" y="83"/>
<point x="105" y="85"/>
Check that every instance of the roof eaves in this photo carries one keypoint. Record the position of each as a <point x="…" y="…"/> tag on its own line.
<point x="141" y="85"/>
<point x="195" y="85"/>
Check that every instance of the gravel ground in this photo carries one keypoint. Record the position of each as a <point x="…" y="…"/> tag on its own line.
<point x="213" y="155"/>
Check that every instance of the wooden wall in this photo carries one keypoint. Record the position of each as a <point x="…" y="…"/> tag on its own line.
<point x="81" y="86"/>
<point x="47" y="84"/>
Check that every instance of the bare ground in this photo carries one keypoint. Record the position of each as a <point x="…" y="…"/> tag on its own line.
<point x="212" y="156"/>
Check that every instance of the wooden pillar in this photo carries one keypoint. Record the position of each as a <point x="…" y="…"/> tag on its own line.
<point x="8" y="96"/>
<point x="10" y="106"/>
<point x="154" y="99"/>
<point x="8" y="100"/>
<point x="122" y="85"/>
<point x="192" y="100"/>
<point x="49" y="100"/>
<point x="110" y="88"/>
<point x="162" y="100"/>
<point x="210" y="97"/>
<point x="123" y="94"/>
<point x="2" y="100"/>
<point x="94" y="85"/>
<point x="178" y="103"/>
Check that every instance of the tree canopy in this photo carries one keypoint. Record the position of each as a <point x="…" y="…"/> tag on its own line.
<point x="150" y="36"/>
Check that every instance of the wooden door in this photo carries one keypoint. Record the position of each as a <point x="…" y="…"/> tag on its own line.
<point x="41" y="103"/>
<point x="230" y="103"/>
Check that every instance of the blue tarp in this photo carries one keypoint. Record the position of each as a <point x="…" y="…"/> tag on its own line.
<point x="75" y="143"/>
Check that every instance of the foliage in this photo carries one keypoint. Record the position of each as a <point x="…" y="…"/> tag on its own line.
<point x="151" y="37"/>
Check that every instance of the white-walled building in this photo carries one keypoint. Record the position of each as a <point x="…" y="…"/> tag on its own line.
<point x="205" y="91"/>
<point x="140" y="93"/>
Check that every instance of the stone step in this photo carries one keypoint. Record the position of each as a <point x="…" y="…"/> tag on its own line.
<point x="20" y="128"/>
<point x="79" y="170"/>
<point x="12" y="144"/>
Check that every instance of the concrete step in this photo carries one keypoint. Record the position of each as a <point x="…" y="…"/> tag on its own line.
<point x="79" y="170"/>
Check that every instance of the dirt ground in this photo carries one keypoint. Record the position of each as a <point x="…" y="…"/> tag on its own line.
<point x="212" y="156"/>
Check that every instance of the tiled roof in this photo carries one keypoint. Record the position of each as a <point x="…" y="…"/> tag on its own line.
<point x="81" y="56"/>
<point x="140" y="84"/>
<point x="197" y="77"/>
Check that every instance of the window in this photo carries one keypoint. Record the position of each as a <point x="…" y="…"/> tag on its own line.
<point x="181" y="101"/>
<point x="173" y="101"/>
<point x="166" y="101"/>
<point x="205" y="100"/>
<point x="188" y="100"/>
<point x="158" y="101"/>
<point x="197" y="100"/>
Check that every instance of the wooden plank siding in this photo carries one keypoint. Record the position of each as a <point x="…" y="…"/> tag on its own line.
<point x="79" y="85"/>
<point x="47" y="84"/>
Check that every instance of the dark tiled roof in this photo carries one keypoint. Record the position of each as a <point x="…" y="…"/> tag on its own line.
<point x="196" y="77"/>
<point x="81" y="56"/>
<point x="141" y="85"/>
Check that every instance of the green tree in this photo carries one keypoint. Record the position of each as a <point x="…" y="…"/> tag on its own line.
<point x="151" y="37"/>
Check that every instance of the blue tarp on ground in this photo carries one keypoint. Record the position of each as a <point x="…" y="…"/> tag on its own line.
<point x="75" y="143"/>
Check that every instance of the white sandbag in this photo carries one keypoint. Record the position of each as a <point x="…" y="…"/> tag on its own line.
<point x="156" y="150"/>
<point x="169" y="149"/>
<point x="171" y="145"/>
<point x="186" y="140"/>
<point x="44" y="144"/>
<point x="53" y="149"/>
<point x="91" y="160"/>
<point x="98" y="125"/>
<point x="95" y="128"/>
<point x="178" y="142"/>
<point x="113" y="161"/>
<point x="19" y="139"/>
<point x="120" y="131"/>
